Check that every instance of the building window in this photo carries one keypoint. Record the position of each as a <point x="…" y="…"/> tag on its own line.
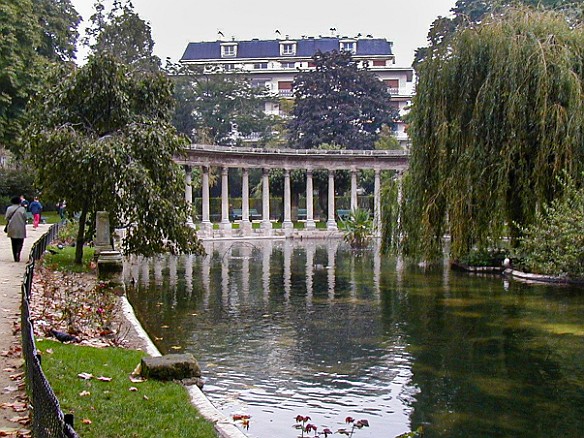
<point x="348" y="46"/>
<point x="228" y="67"/>
<point x="379" y="63"/>
<point x="228" y="50"/>
<point x="392" y="85"/>
<point x="285" y="88"/>
<point x="260" y="66"/>
<point x="287" y="49"/>
<point x="288" y="64"/>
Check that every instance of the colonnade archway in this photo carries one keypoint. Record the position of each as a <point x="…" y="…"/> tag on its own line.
<point x="224" y="158"/>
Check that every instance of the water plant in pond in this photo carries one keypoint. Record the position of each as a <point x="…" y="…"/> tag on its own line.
<point x="358" y="228"/>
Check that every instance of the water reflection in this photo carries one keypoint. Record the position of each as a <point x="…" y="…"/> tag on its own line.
<point x="284" y="328"/>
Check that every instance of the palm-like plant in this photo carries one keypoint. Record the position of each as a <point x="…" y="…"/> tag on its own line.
<point x="358" y="228"/>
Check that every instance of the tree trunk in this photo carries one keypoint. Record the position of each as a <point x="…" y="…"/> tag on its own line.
<point x="80" y="238"/>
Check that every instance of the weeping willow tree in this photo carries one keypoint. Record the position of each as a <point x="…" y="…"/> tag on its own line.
<point x="498" y="115"/>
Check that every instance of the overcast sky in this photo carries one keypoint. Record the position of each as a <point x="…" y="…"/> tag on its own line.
<point x="175" y="23"/>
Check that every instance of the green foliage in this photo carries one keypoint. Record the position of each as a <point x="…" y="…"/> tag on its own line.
<point x="497" y="116"/>
<point x="213" y="105"/>
<point x="17" y="181"/>
<point x="338" y="103"/>
<point x="552" y="244"/>
<point x="492" y="256"/>
<point x="358" y="228"/>
<point x="58" y="21"/>
<point x="390" y="215"/>
<point x="18" y="66"/>
<point x="153" y="407"/>
<point x="122" y="34"/>
<point x="62" y="258"/>
<point x="104" y="130"/>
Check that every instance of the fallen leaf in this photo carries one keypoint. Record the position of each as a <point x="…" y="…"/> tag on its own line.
<point x="11" y="389"/>
<point x="104" y="379"/>
<point x="84" y="393"/>
<point x="85" y="376"/>
<point x="132" y="388"/>
<point x="146" y="397"/>
<point x="137" y="379"/>
<point x="22" y="419"/>
<point x="86" y="421"/>
<point x="176" y="347"/>
<point x="49" y="351"/>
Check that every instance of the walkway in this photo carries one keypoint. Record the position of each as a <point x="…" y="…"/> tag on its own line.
<point x="11" y="274"/>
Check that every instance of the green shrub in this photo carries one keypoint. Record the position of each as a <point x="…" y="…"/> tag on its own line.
<point x="554" y="243"/>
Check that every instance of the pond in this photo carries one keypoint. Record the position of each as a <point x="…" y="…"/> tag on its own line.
<point x="284" y="328"/>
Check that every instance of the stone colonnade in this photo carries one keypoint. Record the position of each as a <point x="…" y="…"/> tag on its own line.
<point x="226" y="157"/>
<point x="225" y="226"/>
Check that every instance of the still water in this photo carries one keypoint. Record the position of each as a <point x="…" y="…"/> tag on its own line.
<point x="286" y="328"/>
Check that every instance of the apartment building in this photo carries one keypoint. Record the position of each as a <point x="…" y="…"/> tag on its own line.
<point x="274" y="63"/>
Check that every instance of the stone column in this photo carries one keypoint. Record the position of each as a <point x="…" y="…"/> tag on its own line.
<point x="266" y="225"/>
<point x="110" y="265"/>
<point x="189" y="193"/>
<point x="225" y="224"/>
<point x="354" y="204"/>
<point x="309" y="224"/>
<point x="377" y="205"/>
<point x="287" y="224"/>
<point x="331" y="223"/>
<point x="245" y="225"/>
<point x="206" y="225"/>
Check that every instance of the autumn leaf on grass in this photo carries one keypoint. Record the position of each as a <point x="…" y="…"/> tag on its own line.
<point x="176" y="347"/>
<point x="137" y="379"/>
<point x="104" y="379"/>
<point x="86" y="421"/>
<point x="132" y="388"/>
<point x="85" y="376"/>
<point x="84" y="393"/>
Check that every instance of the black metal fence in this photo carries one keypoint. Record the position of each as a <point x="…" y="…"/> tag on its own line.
<point x="47" y="418"/>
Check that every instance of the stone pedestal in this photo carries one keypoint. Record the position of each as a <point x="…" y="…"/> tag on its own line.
<point x="109" y="270"/>
<point x="102" y="240"/>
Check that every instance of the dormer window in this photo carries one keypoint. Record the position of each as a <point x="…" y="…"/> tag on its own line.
<point x="228" y="50"/>
<point x="349" y="46"/>
<point x="288" y="48"/>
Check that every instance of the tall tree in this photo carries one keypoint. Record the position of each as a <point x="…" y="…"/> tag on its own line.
<point x="339" y="103"/>
<point x="497" y="116"/>
<point x="18" y="65"/>
<point x="101" y="138"/>
<point x="58" y="21"/>
<point x="215" y="107"/>
<point x="123" y="34"/>
<point x="469" y="13"/>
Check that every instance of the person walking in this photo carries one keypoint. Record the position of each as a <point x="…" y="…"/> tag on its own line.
<point x="16" y="226"/>
<point x="35" y="207"/>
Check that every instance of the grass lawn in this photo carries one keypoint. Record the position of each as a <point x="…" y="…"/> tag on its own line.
<point x="63" y="259"/>
<point x="108" y="409"/>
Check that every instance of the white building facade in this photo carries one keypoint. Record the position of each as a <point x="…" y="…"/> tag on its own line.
<point x="274" y="64"/>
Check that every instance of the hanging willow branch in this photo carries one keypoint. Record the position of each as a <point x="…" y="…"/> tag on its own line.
<point x="497" y="116"/>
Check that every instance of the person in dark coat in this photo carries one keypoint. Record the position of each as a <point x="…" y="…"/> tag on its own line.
<point x="16" y="228"/>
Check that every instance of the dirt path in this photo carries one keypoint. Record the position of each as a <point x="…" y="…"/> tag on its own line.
<point x="11" y="275"/>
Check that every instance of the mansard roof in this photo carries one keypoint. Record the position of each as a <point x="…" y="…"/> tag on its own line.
<point x="305" y="48"/>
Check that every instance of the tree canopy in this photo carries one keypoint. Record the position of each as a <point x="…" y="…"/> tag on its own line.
<point x="58" y="21"/>
<point x="497" y="116"/>
<point x="100" y="137"/>
<point x="213" y="106"/>
<point x="339" y="103"/>
<point x="469" y="13"/>
<point x="123" y="34"/>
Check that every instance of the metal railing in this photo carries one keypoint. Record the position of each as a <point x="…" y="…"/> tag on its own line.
<point x="47" y="418"/>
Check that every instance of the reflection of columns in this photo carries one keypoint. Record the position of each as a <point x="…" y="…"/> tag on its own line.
<point x="172" y="278"/>
<point x="354" y="204"/>
<point x="330" y="274"/>
<point x="225" y="282"/>
<point x="266" y="258"/>
<point x="287" y="270"/>
<point x="206" y="225"/>
<point x="331" y="224"/>
<point x="266" y="225"/>
<point x="206" y="277"/>
<point x="377" y="269"/>
<point x="225" y="224"/>
<point x="189" y="193"/>
<point x="287" y="224"/>
<point x="246" y="255"/>
<point x="309" y="224"/>
<point x="309" y="272"/>
<point x="245" y="225"/>
<point x="158" y="271"/>
<point x="189" y="273"/>
<point x="377" y="205"/>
